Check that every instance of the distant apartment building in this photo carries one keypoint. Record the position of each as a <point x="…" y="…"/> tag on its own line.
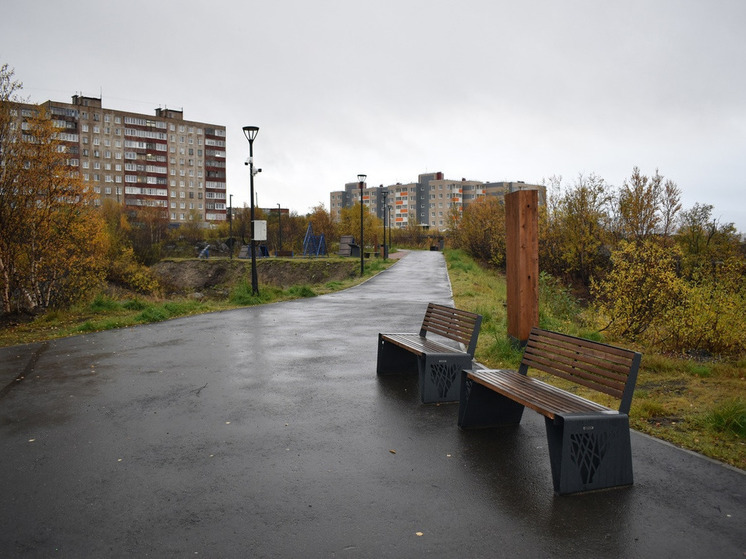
<point x="430" y="202"/>
<point x="160" y="161"/>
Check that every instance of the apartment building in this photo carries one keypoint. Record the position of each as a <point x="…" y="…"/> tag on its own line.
<point x="161" y="161"/>
<point x="429" y="202"/>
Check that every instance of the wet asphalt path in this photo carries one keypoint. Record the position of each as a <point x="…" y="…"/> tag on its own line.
<point x="264" y="432"/>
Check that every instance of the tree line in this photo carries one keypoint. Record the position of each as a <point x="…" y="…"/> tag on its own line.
<point x="652" y="271"/>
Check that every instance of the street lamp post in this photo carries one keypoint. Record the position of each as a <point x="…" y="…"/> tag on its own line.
<point x="230" y="222"/>
<point x="388" y="211"/>
<point x="385" y="247"/>
<point x="361" y="180"/>
<point x="279" y="229"/>
<point x="250" y="132"/>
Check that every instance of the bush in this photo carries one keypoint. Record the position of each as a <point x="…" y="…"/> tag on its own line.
<point x="481" y="231"/>
<point x="128" y="273"/>
<point x="709" y="320"/>
<point x="641" y="287"/>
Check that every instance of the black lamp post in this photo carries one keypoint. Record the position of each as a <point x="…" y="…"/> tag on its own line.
<point x="250" y="132"/>
<point x="388" y="211"/>
<point x="279" y="229"/>
<point x="230" y="222"/>
<point x="361" y="181"/>
<point x="385" y="247"/>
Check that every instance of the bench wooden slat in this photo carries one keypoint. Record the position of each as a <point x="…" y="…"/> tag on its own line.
<point x="576" y="365"/>
<point x="573" y="374"/>
<point x="591" y="364"/>
<point x="607" y="362"/>
<point x="539" y="396"/>
<point x="588" y="344"/>
<point x="418" y="344"/>
<point x="449" y="322"/>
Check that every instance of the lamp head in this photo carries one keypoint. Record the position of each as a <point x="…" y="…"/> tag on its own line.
<point x="250" y="132"/>
<point x="361" y="178"/>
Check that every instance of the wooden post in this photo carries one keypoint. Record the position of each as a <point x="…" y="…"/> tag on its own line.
<point x="522" y="262"/>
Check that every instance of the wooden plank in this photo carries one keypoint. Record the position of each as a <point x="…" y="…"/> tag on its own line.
<point x="419" y="345"/>
<point x="451" y="323"/>
<point x="598" y="366"/>
<point x="539" y="396"/>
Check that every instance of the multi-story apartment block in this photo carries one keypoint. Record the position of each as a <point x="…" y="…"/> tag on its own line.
<point x="430" y="202"/>
<point x="160" y="161"/>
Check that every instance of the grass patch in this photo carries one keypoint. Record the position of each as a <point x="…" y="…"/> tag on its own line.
<point x="103" y="303"/>
<point x="729" y="417"/>
<point x="301" y="291"/>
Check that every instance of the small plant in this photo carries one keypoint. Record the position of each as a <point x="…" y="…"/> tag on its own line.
<point x="103" y="303"/>
<point x="152" y="314"/>
<point x="556" y="298"/>
<point x="301" y="291"/>
<point x="699" y="369"/>
<point x="135" y="305"/>
<point x="729" y="417"/>
<point x="242" y="295"/>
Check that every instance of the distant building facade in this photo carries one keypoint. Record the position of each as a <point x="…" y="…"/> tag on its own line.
<point x="427" y="203"/>
<point x="160" y="161"/>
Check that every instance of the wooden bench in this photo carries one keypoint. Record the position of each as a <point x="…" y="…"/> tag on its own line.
<point x="589" y="444"/>
<point x="439" y="365"/>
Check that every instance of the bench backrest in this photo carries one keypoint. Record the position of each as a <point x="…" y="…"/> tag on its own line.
<point x="460" y="326"/>
<point x="601" y="367"/>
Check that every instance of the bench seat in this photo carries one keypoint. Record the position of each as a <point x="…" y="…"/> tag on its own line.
<point x="544" y="398"/>
<point x="419" y="345"/>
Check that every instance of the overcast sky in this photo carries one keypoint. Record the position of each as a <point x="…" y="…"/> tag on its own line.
<point x="481" y="89"/>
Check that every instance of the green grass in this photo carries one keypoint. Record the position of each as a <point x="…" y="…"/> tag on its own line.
<point x="729" y="417"/>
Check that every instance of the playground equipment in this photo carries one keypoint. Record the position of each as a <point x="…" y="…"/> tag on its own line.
<point x="314" y="245"/>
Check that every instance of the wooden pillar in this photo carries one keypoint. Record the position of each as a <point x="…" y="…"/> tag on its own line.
<point x="522" y="262"/>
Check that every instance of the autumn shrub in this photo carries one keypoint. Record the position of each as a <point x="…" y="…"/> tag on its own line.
<point x="709" y="318"/>
<point x="640" y="289"/>
<point x="481" y="231"/>
<point x="127" y="272"/>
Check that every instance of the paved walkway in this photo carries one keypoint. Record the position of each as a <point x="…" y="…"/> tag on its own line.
<point x="264" y="432"/>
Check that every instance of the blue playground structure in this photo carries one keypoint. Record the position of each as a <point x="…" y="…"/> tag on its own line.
<point x="314" y="245"/>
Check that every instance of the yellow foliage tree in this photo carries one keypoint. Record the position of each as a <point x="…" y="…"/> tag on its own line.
<point x="53" y="238"/>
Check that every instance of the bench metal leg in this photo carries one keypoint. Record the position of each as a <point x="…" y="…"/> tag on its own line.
<point x="440" y="377"/>
<point x="393" y="359"/>
<point x="589" y="451"/>
<point x="481" y="407"/>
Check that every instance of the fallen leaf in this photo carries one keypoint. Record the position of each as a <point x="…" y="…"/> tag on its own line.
<point x="392" y="451"/>
<point x="419" y="534"/>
